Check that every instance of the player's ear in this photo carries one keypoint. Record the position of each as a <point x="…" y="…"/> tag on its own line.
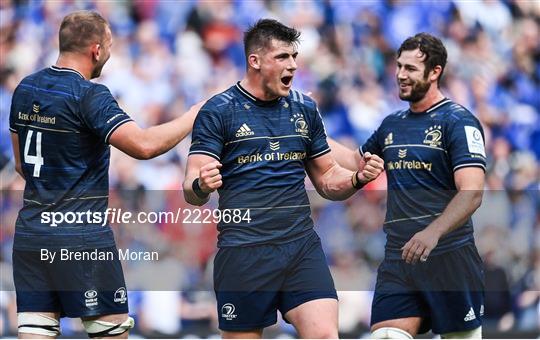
<point x="435" y="73"/>
<point x="254" y="61"/>
<point x="96" y="51"/>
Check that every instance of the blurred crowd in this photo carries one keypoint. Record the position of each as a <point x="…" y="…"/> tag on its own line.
<point x="167" y="55"/>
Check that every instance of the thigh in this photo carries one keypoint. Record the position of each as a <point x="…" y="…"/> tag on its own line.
<point x="308" y="277"/>
<point x="455" y="311"/>
<point x="89" y="288"/>
<point x="315" y="319"/>
<point x="247" y="282"/>
<point x="34" y="289"/>
<point x="396" y="301"/>
<point x="455" y="291"/>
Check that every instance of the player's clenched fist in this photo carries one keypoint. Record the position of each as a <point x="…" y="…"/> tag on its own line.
<point x="210" y="177"/>
<point x="373" y="167"/>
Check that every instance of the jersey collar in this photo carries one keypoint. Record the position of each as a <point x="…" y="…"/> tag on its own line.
<point x="254" y="99"/>
<point x="434" y="106"/>
<point x="65" y="69"/>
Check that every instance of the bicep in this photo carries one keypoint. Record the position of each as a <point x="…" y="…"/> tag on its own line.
<point x="469" y="178"/>
<point x="317" y="167"/>
<point x="126" y="138"/>
<point x="345" y="157"/>
<point x="195" y="162"/>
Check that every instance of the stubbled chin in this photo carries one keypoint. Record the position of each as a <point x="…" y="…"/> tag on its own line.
<point x="285" y="92"/>
<point x="404" y="95"/>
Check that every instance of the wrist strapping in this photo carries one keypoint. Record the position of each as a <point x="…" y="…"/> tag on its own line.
<point x="197" y="189"/>
<point x="356" y="182"/>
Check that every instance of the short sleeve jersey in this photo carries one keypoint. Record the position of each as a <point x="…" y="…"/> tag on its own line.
<point x="421" y="152"/>
<point x="263" y="147"/>
<point x="63" y="123"/>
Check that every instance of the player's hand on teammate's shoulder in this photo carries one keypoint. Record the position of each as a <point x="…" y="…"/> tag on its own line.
<point x="420" y="246"/>
<point x="210" y="177"/>
<point x="193" y="111"/>
<point x="373" y="167"/>
<point x="195" y="108"/>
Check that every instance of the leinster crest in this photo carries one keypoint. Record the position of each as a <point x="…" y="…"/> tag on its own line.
<point x="433" y="136"/>
<point x="300" y="125"/>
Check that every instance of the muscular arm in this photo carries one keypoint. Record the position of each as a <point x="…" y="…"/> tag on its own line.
<point x="331" y="180"/>
<point x="352" y="160"/>
<point x="15" y="145"/>
<point x="469" y="183"/>
<point x="156" y="140"/>
<point x="470" y="186"/>
<point x="334" y="182"/>
<point x="345" y="157"/>
<point x="206" y="169"/>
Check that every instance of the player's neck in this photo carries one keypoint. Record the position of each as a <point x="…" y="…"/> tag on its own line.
<point x="256" y="89"/>
<point x="433" y="96"/>
<point x="76" y="63"/>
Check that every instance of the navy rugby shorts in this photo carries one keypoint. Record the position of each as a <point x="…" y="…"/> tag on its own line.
<point x="447" y="291"/>
<point x="253" y="282"/>
<point x="75" y="288"/>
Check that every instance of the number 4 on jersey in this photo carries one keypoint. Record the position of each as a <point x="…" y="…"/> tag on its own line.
<point x="37" y="160"/>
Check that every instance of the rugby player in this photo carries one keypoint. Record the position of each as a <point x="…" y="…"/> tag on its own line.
<point x="432" y="276"/>
<point x="61" y="126"/>
<point x="254" y="143"/>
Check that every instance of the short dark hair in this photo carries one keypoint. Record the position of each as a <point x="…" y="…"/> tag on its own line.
<point x="263" y="31"/>
<point x="80" y="29"/>
<point x="431" y="46"/>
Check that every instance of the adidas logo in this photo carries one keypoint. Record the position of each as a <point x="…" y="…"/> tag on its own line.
<point x="244" y="131"/>
<point x="470" y="315"/>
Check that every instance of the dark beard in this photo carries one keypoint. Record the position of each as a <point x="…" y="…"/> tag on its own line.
<point x="96" y="72"/>
<point x="418" y="91"/>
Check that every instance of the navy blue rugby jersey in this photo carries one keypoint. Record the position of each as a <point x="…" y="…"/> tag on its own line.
<point x="63" y="123"/>
<point x="421" y="151"/>
<point x="263" y="146"/>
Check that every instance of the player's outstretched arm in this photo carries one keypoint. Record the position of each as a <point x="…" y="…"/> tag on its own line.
<point x="352" y="159"/>
<point x="202" y="178"/>
<point x="16" y="154"/>
<point x="336" y="183"/>
<point x="345" y="157"/>
<point x="156" y="140"/>
<point x="470" y="185"/>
